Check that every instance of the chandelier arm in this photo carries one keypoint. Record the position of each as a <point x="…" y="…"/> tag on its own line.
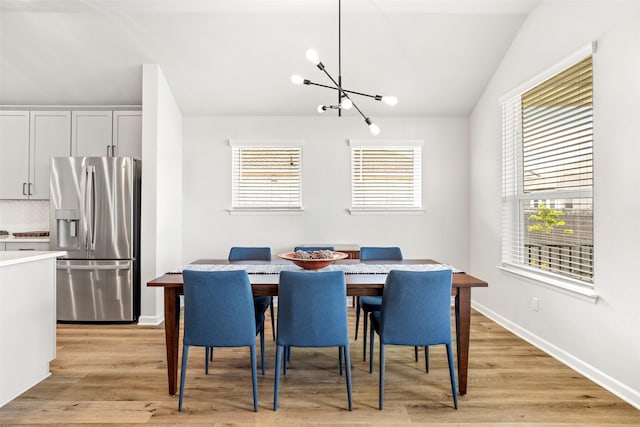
<point x="321" y="85"/>
<point x="356" y="107"/>
<point x="353" y="92"/>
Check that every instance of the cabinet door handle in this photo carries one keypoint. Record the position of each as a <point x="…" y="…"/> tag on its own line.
<point x="30" y="193"/>
<point x="108" y="150"/>
<point x="24" y="189"/>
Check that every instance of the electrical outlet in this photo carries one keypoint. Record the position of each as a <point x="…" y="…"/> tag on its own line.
<point x="535" y="304"/>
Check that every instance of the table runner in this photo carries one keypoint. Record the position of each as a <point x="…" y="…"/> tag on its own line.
<point x="359" y="268"/>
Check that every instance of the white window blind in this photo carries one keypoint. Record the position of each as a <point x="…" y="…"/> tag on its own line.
<point x="386" y="176"/>
<point x="266" y="175"/>
<point x="547" y="184"/>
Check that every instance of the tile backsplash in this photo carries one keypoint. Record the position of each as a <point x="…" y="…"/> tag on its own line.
<point x="24" y="215"/>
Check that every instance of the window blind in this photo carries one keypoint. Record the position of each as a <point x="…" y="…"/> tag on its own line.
<point x="547" y="209"/>
<point x="386" y="177"/>
<point x="266" y="177"/>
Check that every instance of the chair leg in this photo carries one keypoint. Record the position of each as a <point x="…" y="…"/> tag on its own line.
<point x="206" y="359"/>
<point x="426" y="359"/>
<point x="452" y="374"/>
<point x="287" y="352"/>
<point x="183" y="374"/>
<point x="340" y="359"/>
<point x="371" y="341"/>
<point x="415" y="350"/>
<point x="347" y="364"/>
<point x="262" y="350"/>
<point x="381" y="386"/>
<point x="357" y="316"/>
<point x="273" y="322"/>
<point x="276" y="381"/>
<point x="254" y="377"/>
<point x="364" y="336"/>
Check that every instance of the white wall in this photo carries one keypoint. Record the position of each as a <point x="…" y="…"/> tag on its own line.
<point x="440" y="233"/>
<point x="161" y="238"/>
<point x="601" y="340"/>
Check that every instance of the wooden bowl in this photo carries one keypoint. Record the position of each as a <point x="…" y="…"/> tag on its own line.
<point x="312" y="264"/>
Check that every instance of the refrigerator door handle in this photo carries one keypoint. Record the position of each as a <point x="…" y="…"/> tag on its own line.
<point x="90" y="207"/>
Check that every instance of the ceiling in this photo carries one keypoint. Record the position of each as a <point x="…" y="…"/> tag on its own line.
<point x="236" y="57"/>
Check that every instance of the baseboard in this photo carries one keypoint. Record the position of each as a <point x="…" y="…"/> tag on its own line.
<point x="151" y="320"/>
<point x="621" y="390"/>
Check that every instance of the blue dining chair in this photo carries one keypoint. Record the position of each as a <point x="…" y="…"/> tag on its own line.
<point x="311" y="248"/>
<point x="416" y="311"/>
<point x="219" y="312"/>
<point x="255" y="253"/>
<point x="320" y="324"/>
<point x="369" y="304"/>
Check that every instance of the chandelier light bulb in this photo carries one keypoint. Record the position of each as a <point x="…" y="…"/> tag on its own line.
<point x="390" y="100"/>
<point x="374" y="129"/>
<point x="296" y="79"/>
<point x="321" y="108"/>
<point x="346" y="104"/>
<point x="312" y="56"/>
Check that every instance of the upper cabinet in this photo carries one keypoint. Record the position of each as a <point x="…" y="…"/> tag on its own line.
<point x="49" y="137"/>
<point x="91" y="133"/>
<point x="127" y="133"/>
<point x="28" y="140"/>
<point x="106" y="133"/>
<point x="14" y="154"/>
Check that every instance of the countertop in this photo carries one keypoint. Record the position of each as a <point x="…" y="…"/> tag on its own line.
<point x="21" y="257"/>
<point x="12" y="238"/>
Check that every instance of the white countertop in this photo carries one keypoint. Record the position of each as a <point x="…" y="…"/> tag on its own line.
<point x="12" y="238"/>
<point x="20" y="257"/>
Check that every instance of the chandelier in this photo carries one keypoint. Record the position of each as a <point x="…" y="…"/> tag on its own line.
<point x="345" y="102"/>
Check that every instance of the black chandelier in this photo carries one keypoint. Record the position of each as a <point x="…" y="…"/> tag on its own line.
<point x="344" y="100"/>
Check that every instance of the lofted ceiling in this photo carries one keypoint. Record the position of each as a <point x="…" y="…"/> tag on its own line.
<point x="236" y="57"/>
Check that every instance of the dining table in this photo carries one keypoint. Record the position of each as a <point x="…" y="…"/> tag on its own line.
<point x="362" y="277"/>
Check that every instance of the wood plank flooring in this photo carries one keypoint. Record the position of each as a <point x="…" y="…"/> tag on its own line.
<point x="116" y="375"/>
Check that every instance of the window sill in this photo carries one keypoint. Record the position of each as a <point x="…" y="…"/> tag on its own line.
<point x="567" y="286"/>
<point x="257" y="211"/>
<point x="386" y="211"/>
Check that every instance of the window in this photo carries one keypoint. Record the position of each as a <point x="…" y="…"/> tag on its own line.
<point x="386" y="175"/>
<point x="266" y="175"/>
<point x="547" y="186"/>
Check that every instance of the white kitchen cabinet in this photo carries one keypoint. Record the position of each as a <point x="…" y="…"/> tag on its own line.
<point x="50" y="134"/>
<point x="91" y="133"/>
<point x="14" y="154"/>
<point x="127" y="133"/>
<point x="27" y="142"/>
<point x="106" y="133"/>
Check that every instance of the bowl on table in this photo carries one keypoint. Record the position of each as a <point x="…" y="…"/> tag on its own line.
<point x="313" y="260"/>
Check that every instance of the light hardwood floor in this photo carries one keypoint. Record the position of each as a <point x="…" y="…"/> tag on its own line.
<point x="116" y="375"/>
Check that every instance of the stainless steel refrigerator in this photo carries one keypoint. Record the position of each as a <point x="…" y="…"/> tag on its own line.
<point x="95" y="217"/>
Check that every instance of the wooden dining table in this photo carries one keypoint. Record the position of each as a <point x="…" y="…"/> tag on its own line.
<point x="358" y="284"/>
